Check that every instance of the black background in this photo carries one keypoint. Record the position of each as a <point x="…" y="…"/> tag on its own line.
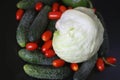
<point x="11" y="64"/>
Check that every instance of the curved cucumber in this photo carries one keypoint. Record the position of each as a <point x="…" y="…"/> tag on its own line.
<point x="85" y="69"/>
<point x="35" y="57"/>
<point x="105" y="45"/>
<point x="27" y="4"/>
<point x="23" y="27"/>
<point x="39" y="24"/>
<point x="47" y="72"/>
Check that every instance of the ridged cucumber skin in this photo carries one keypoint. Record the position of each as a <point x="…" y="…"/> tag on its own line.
<point x="47" y="72"/>
<point x="23" y="27"/>
<point x="85" y="69"/>
<point x="27" y="4"/>
<point x="35" y="57"/>
<point x="39" y="24"/>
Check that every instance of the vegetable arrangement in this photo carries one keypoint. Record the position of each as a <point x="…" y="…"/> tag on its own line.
<point x="37" y="34"/>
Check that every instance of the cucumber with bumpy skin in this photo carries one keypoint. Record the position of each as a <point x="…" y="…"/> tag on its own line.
<point x="47" y="72"/>
<point x="85" y="69"/>
<point x="27" y="4"/>
<point x="23" y="27"/>
<point x="35" y="57"/>
<point x="51" y="25"/>
<point x="39" y="24"/>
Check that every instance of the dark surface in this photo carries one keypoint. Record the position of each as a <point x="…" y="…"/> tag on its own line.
<point x="11" y="64"/>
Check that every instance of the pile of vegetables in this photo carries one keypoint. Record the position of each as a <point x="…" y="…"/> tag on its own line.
<point x="43" y="35"/>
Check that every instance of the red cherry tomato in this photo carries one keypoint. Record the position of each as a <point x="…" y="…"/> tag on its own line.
<point x="47" y="35"/>
<point x="58" y="63"/>
<point x="54" y="15"/>
<point x="38" y="6"/>
<point x="49" y="53"/>
<point x="62" y="8"/>
<point x="55" y="7"/>
<point x="31" y="46"/>
<point x="74" y="66"/>
<point x="100" y="64"/>
<point x="47" y="45"/>
<point x="111" y="60"/>
<point x="19" y="14"/>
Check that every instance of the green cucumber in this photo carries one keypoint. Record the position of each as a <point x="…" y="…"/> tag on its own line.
<point x="35" y="57"/>
<point x="51" y="25"/>
<point x="85" y="69"/>
<point x="39" y="24"/>
<point x="23" y="27"/>
<point x="47" y="72"/>
<point x="105" y="45"/>
<point x="27" y="4"/>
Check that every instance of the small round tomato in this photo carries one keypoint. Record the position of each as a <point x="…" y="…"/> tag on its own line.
<point x="54" y="15"/>
<point x="31" y="46"/>
<point x="111" y="60"/>
<point x="62" y="8"/>
<point x="58" y="63"/>
<point x="47" y="45"/>
<point x="50" y="53"/>
<point x="47" y="35"/>
<point x="100" y="64"/>
<point x="74" y="66"/>
<point x="55" y="7"/>
<point x="19" y="14"/>
<point x="38" y="6"/>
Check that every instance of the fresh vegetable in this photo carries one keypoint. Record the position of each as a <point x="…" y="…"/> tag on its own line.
<point x="79" y="35"/>
<point x="38" y="6"/>
<point x="76" y="3"/>
<point x="62" y="8"/>
<point x="31" y="46"/>
<point x="51" y="25"/>
<point x="49" y="53"/>
<point x="47" y="45"/>
<point x="39" y="24"/>
<point x="23" y="27"/>
<point x="111" y="60"/>
<point x="27" y="4"/>
<point x="55" y="7"/>
<point x="47" y="72"/>
<point x="54" y="15"/>
<point x="47" y="35"/>
<point x="85" y="69"/>
<point x="19" y="14"/>
<point x="58" y="63"/>
<point x="100" y="64"/>
<point x="35" y="57"/>
<point x="74" y="66"/>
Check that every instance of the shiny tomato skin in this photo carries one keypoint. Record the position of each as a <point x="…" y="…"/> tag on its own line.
<point x="54" y="15"/>
<point x="38" y="6"/>
<point x="58" y="63"/>
<point x="74" y="66"/>
<point x="49" y="53"/>
<point x="62" y="8"/>
<point x="111" y="60"/>
<point x="19" y="14"/>
<point x="47" y="45"/>
<point x="31" y="46"/>
<point x="55" y="7"/>
<point x="47" y="35"/>
<point x="100" y="64"/>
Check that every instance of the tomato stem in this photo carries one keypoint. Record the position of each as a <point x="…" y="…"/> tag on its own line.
<point x="108" y="62"/>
